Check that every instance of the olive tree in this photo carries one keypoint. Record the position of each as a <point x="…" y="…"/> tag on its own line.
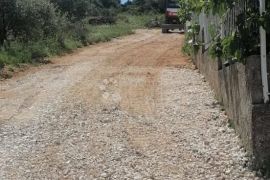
<point x="37" y="19"/>
<point x="29" y="19"/>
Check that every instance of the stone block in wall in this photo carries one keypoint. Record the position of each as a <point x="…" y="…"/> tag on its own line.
<point x="237" y="100"/>
<point x="261" y="133"/>
<point x="254" y="79"/>
<point x="209" y="68"/>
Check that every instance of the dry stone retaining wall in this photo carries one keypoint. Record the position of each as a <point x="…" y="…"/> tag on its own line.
<point x="239" y="88"/>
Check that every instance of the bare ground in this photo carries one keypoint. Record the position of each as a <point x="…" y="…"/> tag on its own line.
<point x="133" y="108"/>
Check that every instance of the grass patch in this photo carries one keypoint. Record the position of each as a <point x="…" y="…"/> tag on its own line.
<point x="103" y="33"/>
<point x="125" y="25"/>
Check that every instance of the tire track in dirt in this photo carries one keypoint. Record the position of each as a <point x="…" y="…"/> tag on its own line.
<point x="128" y="80"/>
<point x="39" y="85"/>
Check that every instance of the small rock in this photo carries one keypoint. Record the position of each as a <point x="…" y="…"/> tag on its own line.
<point x="104" y="175"/>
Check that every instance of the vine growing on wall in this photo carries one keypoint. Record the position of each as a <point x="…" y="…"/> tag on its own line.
<point x="244" y="40"/>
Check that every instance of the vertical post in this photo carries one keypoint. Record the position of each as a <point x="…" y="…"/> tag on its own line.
<point x="264" y="57"/>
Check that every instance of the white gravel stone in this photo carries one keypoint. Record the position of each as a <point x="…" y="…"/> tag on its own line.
<point x="185" y="138"/>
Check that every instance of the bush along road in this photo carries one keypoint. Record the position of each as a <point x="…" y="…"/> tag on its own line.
<point x="132" y="108"/>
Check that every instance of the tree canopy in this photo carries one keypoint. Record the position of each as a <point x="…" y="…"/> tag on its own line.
<point x="82" y="8"/>
<point x="144" y="6"/>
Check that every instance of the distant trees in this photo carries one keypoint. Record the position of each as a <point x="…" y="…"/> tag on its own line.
<point x="80" y="9"/>
<point x="145" y="6"/>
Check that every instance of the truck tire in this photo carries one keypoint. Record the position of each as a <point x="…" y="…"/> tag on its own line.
<point x="165" y="30"/>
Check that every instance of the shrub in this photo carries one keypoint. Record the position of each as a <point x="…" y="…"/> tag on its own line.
<point x="80" y="32"/>
<point x="37" y="19"/>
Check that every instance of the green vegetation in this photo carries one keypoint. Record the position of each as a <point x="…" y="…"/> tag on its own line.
<point x="32" y="30"/>
<point x="125" y="25"/>
<point x="192" y="45"/>
<point x="244" y="40"/>
<point x="144" y="6"/>
<point x="35" y="51"/>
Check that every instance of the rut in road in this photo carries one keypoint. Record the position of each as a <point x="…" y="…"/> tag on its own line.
<point x="133" y="108"/>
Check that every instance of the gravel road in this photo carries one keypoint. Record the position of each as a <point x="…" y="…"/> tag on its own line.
<point x="132" y="108"/>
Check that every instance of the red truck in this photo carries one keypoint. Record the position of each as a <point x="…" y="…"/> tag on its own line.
<point x="171" y="18"/>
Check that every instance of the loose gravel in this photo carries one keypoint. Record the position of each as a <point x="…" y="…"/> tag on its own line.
<point x="186" y="138"/>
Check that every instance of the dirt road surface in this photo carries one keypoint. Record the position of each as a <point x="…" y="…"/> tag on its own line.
<point x="132" y="108"/>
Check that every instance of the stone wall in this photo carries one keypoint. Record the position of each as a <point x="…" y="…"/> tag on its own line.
<point x="209" y="68"/>
<point x="239" y="88"/>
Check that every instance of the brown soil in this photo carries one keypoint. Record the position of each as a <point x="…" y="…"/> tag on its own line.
<point x="126" y="69"/>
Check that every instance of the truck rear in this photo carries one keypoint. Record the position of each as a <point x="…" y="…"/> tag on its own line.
<point x="171" y="18"/>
